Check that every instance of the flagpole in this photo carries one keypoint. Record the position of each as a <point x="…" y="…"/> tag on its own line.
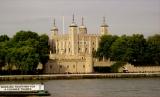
<point x="63" y="26"/>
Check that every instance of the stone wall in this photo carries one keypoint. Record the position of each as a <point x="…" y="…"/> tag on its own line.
<point x="132" y="68"/>
<point x="102" y="63"/>
<point x="69" y="65"/>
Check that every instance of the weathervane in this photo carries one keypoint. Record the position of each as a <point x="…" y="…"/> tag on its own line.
<point x="73" y="18"/>
<point x="104" y="20"/>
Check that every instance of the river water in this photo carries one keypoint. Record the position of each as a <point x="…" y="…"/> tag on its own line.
<point x="138" y="87"/>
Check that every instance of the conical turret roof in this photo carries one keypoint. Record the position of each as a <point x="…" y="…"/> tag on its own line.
<point x="73" y="24"/>
<point x="104" y="23"/>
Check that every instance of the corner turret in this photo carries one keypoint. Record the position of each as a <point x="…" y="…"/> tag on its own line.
<point x="82" y="28"/>
<point x="104" y="27"/>
<point x="73" y="27"/>
<point x="54" y="30"/>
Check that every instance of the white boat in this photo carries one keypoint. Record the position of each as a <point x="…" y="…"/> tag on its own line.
<point x="23" y="89"/>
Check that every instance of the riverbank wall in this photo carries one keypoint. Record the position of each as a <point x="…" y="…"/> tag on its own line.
<point x="139" y="69"/>
<point x="78" y="76"/>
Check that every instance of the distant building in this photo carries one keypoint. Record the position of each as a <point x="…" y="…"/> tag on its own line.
<point x="72" y="52"/>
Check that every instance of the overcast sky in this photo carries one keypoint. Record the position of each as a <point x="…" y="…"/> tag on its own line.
<point x="123" y="16"/>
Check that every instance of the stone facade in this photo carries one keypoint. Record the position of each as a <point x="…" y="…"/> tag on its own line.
<point x="72" y="52"/>
<point x="139" y="69"/>
<point x="69" y="65"/>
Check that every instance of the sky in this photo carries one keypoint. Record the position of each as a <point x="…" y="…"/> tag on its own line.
<point x="122" y="16"/>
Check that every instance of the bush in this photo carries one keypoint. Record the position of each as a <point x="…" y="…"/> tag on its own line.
<point x="116" y="66"/>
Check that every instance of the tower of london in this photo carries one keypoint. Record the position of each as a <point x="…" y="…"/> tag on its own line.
<point x="72" y="52"/>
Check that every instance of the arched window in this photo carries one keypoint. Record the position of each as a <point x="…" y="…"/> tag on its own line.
<point x="69" y="49"/>
<point x="92" y="49"/>
<point x="85" y="49"/>
<point x="50" y="66"/>
<point x="73" y="66"/>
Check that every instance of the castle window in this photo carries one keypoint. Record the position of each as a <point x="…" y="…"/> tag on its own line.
<point x="86" y="50"/>
<point x="67" y="66"/>
<point x="92" y="49"/>
<point x="60" y="66"/>
<point x="83" y="66"/>
<point x="69" y="49"/>
<point x="50" y="66"/>
<point x="73" y="66"/>
<point x="93" y="43"/>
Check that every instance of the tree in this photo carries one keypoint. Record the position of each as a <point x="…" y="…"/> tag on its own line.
<point x="25" y="35"/>
<point x="25" y="51"/>
<point x="129" y="49"/>
<point x="104" y="46"/>
<point x="133" y="49"/>
<point x="2" y="56"/>
<point x="29" y="59"/>
<point x="3" y="50"/>
<point x="24" y="58"/>
<point x="4" y="38"/>
<point x="119" y="48"/>
<point x="153" y="49"/>
<point x="135" y="52"/>
<point x="43" y="48"/>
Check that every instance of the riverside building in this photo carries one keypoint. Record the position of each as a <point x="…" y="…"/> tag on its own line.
<point x="72" y="52"/>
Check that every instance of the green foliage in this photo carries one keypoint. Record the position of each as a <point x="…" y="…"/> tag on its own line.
<point x="105" y="44"/>
<point x="133" y="49"/>
<point x="153" y="49"/>
<point x="129" y="48"/>
<point x="25" y="50"/>
<point x="115" y="67"/>
<point x="25" y="35"/>
<point x="43" y="48"/>
<point x="2" y="55"/>
<point x="137" y="45"/>
<point x="3" y="49"/>
<point x="4" y="38"/>
<point x="118" y="49"/>
<point x="25" y="58"/>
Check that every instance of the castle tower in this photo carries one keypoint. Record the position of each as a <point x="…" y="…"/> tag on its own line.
<point x="89" y="64"/>
<point x="73" y="27"/>
<point x="73" y="37"/>
<point x="54" y="30"/>
<point x="54" y="33"/>
<point x="104" y="27"/>
<point x="82" y="28"/>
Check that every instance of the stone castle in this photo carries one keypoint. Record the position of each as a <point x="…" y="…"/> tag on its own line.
<point x="72" y="52"/>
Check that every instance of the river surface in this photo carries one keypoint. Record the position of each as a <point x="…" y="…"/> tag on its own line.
<point x="138" y="87"/>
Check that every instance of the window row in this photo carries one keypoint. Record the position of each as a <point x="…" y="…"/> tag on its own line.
<point x="74" y="66"/>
